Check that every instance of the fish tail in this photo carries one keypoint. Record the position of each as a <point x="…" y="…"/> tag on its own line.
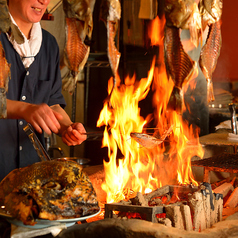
<point x="210" y="92"/>
<point x="176" y="100"/>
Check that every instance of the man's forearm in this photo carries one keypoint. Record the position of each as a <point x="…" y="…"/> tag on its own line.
<point x="15" y="109"/>
<point x="65" y="122"/>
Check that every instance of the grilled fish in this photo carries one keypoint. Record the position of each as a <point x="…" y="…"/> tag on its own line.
<point x="56" y="189"/>
<point x="211" y="12"/>
<point x="79" y="25"/>
<point x="110" y="14"/>
<point x="149" y="141"/>
<point x="179" y="65"/>
<point x="5" y="24"/>
<point x="146" y="140"/>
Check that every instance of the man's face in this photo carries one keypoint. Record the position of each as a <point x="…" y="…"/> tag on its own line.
<point x="28" y="11"/>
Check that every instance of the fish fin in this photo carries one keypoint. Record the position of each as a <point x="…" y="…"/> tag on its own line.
<point x="176" y="100"/>
<point x="210" y="91"/>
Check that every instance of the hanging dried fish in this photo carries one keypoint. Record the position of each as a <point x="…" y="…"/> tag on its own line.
<point x="179" y="66"/>
<point x="209" y="56"/>
<point x="211" y="13"/>
<point x="5" y="24"/>
<point x="110" y="13"/>
<point x="79" y="24"/>
<point x="179" y="14"/>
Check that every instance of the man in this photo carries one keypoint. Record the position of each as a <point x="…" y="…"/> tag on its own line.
<point x="34" y="93"/>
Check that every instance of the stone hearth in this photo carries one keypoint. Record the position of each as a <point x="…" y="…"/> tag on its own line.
<point x="113" y="227"/>
<point x="134" y="228"/>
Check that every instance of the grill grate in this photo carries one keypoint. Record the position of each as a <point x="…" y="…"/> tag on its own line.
<point x="224" y="162"/>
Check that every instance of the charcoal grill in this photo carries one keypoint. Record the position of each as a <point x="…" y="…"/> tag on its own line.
<point x="149" y="212"/>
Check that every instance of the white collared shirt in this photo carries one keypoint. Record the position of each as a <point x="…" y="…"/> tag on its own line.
<point x="30" y="47"/>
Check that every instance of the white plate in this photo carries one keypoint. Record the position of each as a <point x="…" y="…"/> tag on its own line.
<point x="41" y="223"/>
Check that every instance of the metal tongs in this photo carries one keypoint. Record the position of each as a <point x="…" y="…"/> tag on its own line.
<point x="36" y="143"/>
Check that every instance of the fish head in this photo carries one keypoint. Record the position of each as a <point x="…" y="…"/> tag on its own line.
<point x="110" y="10"/>
<point x="177" y="12"/>
<point x="211" y="10"/>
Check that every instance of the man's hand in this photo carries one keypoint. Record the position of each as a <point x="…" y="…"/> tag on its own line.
<point x="73" y="134"/>
<point x="42" y="118"/>
<point x="49" y="119"/>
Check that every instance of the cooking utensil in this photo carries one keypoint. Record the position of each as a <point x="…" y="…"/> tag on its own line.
<point x="232" y="108"/>
<point x="93" y="135"/>
<point x="81" y="161"/>
<point x="36" y="143"/>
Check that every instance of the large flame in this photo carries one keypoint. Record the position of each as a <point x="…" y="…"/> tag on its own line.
<point x="141" y="169"/>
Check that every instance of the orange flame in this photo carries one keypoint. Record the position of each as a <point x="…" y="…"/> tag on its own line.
<point x="142" y="169"/>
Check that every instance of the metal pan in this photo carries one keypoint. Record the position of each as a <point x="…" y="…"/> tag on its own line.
<point x="81" y="161"/>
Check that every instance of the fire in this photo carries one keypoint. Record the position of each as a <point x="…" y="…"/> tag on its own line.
<point x="141" y="169"/>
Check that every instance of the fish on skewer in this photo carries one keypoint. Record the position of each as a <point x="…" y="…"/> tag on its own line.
<point x="79" y="25"/>
<point x="110" y="14"/>
<point x="211" y="13"/>
<point x="179" y="66"/>
<point x="5" y="24"/>
<point x="145" y="140"/>
<point x="149" y="141"/>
